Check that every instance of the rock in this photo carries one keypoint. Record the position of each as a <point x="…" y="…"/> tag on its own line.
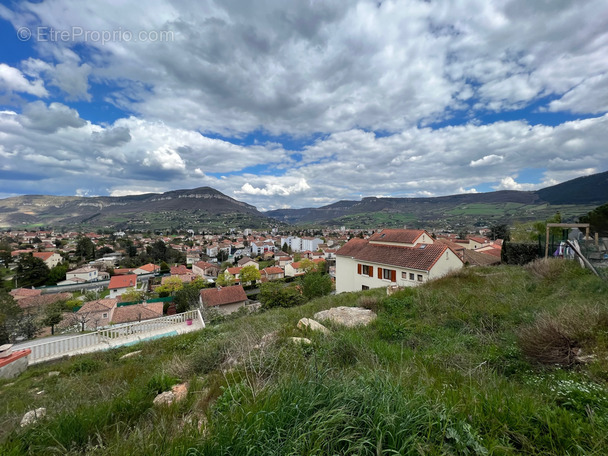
<point x="164" y="398"/>
<point x="129" y="355"/>
<point x="300" y="340"/>
<point x="267" y="339"/>
<point x="180" y="391"/>
<point x="347" y="316"/>
<point x="40" y="392"/>
<point x="32" y="416"/>
<point x="177" y="393"/>
<point x="53" y="373"/>
<point x="309" y="323"/>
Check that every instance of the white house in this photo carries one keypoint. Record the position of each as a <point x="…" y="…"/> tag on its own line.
<point x="51" y="259"/>
<point x="121" y="283"/>
<point x="404" y="258"/>
<point x="86" y="274"/>
<point x="261" y="246"/>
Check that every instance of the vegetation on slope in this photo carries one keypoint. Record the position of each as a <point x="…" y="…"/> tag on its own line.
<point x="457" y="366"/>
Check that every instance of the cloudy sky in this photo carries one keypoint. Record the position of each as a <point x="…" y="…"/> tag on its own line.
<point x="301" y="103"/>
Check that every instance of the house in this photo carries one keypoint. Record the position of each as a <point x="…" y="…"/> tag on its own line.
<point x="120" y="284"/>
<point x="51" y="259"/>
<point x="272" y="273"/>
<point x="204" y="269"/>
<point x="294" y="269"/>
<point x="149" y="268"/>
<point x="262" y="246"/>
<point x="225" y="299"/>
<point x="137" y="312"/>
<point x="246" y="261"/>
<point x="234" y="272"/>
<point x="86" y="274"/>
<point x="400" y="258"/>
<point x="180" y="269"/>
<point x="96" y="314"/>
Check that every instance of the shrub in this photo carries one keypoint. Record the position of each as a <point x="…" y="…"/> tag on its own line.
<point x="545" y="268"/>
<point x="161" y="382"/>
<point x="369" y="302"/>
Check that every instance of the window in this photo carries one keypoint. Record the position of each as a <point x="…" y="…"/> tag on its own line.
<point x="419" y="277"/>
<point x="365" y="270"/>
<point x="104" y="315"/>
<point x="364" y="287"/>
<point x="404" y="275"/>
<point x="386" y="274"/>
<point x="411" y="276"/>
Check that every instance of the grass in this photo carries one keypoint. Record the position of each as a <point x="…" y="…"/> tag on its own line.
<point x="442" y="370"/>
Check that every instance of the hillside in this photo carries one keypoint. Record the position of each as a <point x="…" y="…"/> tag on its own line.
<point x="572" y="198"/>
<point x="197" y="208"/>
<point x="454" y="367"/>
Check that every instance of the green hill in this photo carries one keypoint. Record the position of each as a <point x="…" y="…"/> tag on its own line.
<point x="505" y="360"/>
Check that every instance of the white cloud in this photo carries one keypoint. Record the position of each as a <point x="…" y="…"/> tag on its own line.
<point x="509" y="183"/>
<point x="274" y="189"/>
<point x="487" y="160"/>
<point x="11" y="79"/>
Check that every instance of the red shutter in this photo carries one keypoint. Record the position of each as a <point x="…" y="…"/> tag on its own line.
<point x="393" y="276"/>
<point x="379" y="273"/>
<point x="358" y="269"/>
<point x="371" y="271"/>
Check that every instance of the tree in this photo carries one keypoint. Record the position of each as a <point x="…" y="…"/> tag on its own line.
<point x="188" y="297"/>
<point x="316" y="284"/>
<point x="540" y="228"/>
<point x="57" y="274"/>
<point x="9" y="317"/>
<point x="278" y="294"/>
<point x="53" y="315"/>
<point x="500" y="232"/>
<point x="85" y="248"/>
<point x="31" y="271"/>
<point x="597" y="219"/>
<point x="171" y="285"/>
<point x="249" y="274"/>
<point x="222" y="256"/>
<point x="164" y="267"/>
<point x="133" y="295"/>
<point x="225" y="279"/>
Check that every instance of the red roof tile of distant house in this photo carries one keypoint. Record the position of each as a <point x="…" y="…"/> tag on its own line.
<point x="181" y="269"/>
<point x="42" y="300"/>
<point x="150" y="267"/>
<point x="223" y="295"/>
<point x="20" y="293"/>
<point x="123" y="271"/>
<point x="272" y="270"/>
<point x="43" y="255"/>
<point x="137" y="312"/>
<point x="205" y="265"/>
<point x="99" y="305"/>
<point x="185" y="278"/>
<point x="122" y="281"/>
<point x="398" y="236"/>
<point x="234" y="271"/>
<point x="421" y="257"/>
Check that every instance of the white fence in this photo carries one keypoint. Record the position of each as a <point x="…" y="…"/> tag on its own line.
<point x="109" y="337"/>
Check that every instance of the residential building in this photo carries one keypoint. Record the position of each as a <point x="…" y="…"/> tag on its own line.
<point x="271" y="273"/>
<point x="85" y="274"/>
<point x="51" y="259"/>
<point x="120" y="284"/>
<point x="246" y="261"/>
<point x="204" y="269"/>
<point x="403" y="258"/>
<point x="225" y="299"/>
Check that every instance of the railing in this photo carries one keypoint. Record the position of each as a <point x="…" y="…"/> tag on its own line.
<point x="106" y="338"/>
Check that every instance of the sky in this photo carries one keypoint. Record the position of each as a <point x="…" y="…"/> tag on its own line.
<point x="290" y="104"/>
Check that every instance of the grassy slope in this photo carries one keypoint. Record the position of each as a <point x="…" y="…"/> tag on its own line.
<point x="439" y="372"/>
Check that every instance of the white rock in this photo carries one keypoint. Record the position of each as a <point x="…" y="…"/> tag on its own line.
<point x="313" y="325"/>
<point x="53" y="373"/>
<point x="300" y="340"/>
<point x="347" y="316"/>
<point x="32" y="416"/>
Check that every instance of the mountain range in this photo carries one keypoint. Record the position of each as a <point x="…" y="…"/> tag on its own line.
<point x="207" y="208"/>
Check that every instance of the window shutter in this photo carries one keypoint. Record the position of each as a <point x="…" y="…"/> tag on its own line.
<point x="371" y="271"/>
<point x="393" y="276"/>
<point x="379" y="273"/>
<point x="359" y="269"/>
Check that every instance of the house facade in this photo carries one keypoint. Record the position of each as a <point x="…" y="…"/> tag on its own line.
<point x="86" y="274"/>
<point x="51" y="259"/>
<point x="204" y="269"/>
<point x="120" y="284"/>
<point x="405" y="259"/>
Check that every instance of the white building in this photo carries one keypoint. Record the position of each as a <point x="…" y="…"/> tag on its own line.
<point x="403" y="258"/>
<point x="86" y="274"/>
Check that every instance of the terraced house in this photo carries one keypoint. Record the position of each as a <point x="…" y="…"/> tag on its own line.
<point x="404" y="258"/>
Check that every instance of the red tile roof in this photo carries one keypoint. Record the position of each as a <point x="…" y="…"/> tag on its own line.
<point x="150" y="267"/>
<point x="44" y="255"/>
<point x="407" y="257"/>
<point x="398" y="236"/>
<point x="234" y="271"/>
<point x="272" y="270"/>
<point x="137" y="312"/>
<point x="222" y="296"/>
<point x="20" y="293"/>
<point x="205" y="265"/>
<point x="122" y="281"/>
<point x="99" y="305"/>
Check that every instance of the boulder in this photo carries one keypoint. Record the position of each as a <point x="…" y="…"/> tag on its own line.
<point x="347" y="316"/>
<point x="313" y="325"/>
<point x="53" y="373"/>
<point x="32" y="416"/>
<point x="177" y="393"/>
